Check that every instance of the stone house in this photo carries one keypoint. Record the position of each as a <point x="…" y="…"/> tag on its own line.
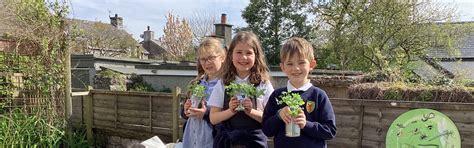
<point x="102" y="39"/>
<point x="152" y="45"/>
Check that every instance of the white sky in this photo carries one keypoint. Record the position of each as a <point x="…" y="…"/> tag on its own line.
<point x="137" y="14"/>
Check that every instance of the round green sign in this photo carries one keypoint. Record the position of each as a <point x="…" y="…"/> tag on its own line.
<point x="425" y="128"/>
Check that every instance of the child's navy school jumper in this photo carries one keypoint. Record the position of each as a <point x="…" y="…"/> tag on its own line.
<point x="320" y="120"/>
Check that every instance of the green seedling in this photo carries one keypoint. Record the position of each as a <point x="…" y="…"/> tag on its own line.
<point x="241" y="91"/>
<point x="197" y="90"/>
<point x="293" y="101"/>
<point x="234" y="89"/>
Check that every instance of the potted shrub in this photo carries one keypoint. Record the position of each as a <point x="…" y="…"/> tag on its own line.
<point x="293" y="101"/>
<point x="242" y="91"/>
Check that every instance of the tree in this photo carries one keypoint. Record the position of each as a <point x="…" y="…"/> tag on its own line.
<point x="380" y="35"/>
<point x="41" y="27"/>
<point x="276" y="21"/>
<point x="104" y="38"/>
<point x="202" y="25"/>
<point x="177" y="39"/>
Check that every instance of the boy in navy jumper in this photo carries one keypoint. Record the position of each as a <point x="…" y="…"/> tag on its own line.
<point x="316" y="117"/>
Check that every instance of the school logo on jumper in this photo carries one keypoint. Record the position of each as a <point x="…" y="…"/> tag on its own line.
<point x="310" y="106"/>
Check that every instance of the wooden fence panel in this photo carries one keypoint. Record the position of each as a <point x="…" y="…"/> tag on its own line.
<point x="373" y="144"/>
<point x="341" y="142"/>
<point x="347" y="132"/>
<point x="158" y="105"/>
<point x="103" y="123"/>
<point x="347" y="109"/>
<point x="347" y="120"/>
<point x="118" y="112"/>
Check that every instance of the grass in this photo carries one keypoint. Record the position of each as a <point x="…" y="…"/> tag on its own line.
<point x="19" y="129"/>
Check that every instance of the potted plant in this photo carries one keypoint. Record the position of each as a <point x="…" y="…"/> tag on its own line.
<point x="293" y="101"/>
<point x="197" y="93"/>
<point x="242" y="91"/>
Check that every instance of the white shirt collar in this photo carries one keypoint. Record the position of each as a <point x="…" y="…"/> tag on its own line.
<point x="305" y="87"/>
<point x="239" y="80"/>
<point x="205" y="78"/>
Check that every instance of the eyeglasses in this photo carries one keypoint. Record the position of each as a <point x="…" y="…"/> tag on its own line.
<point x="208" y="59"/>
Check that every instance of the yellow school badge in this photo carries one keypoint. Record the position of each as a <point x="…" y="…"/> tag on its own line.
<point x="310" y="106"/>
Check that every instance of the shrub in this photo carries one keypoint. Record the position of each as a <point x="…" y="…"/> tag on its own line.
<point x="392" y="94"/>
<point x="441" y="81"/>
<point x="165" y="89"/>
<point x="110" y="80"/>
<point x="411" y="92"/>
<point x="136" y="83"/>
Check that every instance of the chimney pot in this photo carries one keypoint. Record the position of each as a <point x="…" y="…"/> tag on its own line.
<point x="224" y="30"/>
<point x="116" y="21"/>
<point x="223" y="18"/>
<point x="148" y="35"/>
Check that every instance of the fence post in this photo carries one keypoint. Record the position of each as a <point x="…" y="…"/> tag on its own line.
<point x="176" y="98"/>
<point x="116" y="109"/>
<point x="89" y="113"/>
<point x="150" y="107"/>
<point x="361" y="123"/>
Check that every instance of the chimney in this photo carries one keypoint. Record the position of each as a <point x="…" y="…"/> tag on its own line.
<point x="223" y="18"/>
<point x="116" y="21"/>
<point x="148" y="35"/>
<point x="224" y="30"/>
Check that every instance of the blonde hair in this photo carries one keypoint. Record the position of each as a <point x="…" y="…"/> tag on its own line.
<point x="208" y="45"/>
<point x="299" y="46"/>
<point x="258" y="73"/>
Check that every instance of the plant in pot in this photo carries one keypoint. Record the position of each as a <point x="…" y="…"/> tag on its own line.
<point x="242" y="91"/>
<point x="294" y="102"/>
<point x="197" y="93"/>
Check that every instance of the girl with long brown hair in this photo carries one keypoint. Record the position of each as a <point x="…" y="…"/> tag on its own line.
<point x="244" y="64"/>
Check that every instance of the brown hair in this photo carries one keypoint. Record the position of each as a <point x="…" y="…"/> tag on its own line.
<point x="297" y="45"/>
<point x="258" y="73"/>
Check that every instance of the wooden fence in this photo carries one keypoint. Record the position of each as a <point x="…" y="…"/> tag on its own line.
<point x="364" y="123"/>
<point x="137" y="115"/>
<point x="360" y="123"/>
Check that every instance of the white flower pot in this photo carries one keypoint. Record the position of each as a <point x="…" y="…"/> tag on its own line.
<point x="240" y="97"/>
<point x="195" y="101"/>
<point x="292" y="129"/>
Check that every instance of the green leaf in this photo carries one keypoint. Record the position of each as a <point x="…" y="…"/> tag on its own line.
<point x="292" y="100"/>
<point x="197" y="90"/>
<point x="247" y="89"/>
